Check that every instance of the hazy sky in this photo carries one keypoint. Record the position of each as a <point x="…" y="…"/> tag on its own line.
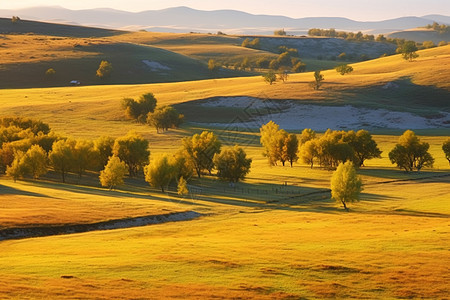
<point x="354" y="9"/>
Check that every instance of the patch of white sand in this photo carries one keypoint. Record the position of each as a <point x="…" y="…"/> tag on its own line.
<point x="155" y="66"/>
<point x="292" y="115"/>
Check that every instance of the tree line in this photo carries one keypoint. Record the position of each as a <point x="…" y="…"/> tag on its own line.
<point x="337" y="146"/>
<point x="29" y="148"/>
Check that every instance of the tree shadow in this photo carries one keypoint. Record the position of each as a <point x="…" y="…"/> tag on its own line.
<point x="7" y="190"/>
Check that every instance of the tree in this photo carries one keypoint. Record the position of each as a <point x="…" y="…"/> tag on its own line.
<point x="245" y="63"/>
<point x="35" y="161"/>
<point x="50" y="73"/>
<point x="290" y="149"/>
<point x="363" y="145"/>
<point x="345" y="184"/>
<point x="61" y="156"/>
<point x="280" y="32"/>
<point x="213" y="67"/>
<point x="408" y="50"/>
<point x="307" y="135"/>
<point x="165" y="117"/>
<point x="318" y="78"/>
<point x="344" y="69"/>
<point x="139" y="109"/>
<point x="269" y="140"/>
<point x="16" y="170"/>
<point x="15" y="19"/>
<point x="232" y="164"/>
<point x="104" y="69"/>
<point x="133" y="150"/>
<point x="159" y="173"/>
<point x="446" y="149"/>
<point x="113" y="173"/>
<point x="428" y="44"/>
<point x="299" y="67"/>
<point x="309" y="152"/>
<point x="270" y="77"/>
<point x="410" y="153"/>
<point x="200" y="149"/>
<point x="182" y="188"/>
<point x="103" y="147"/>
<point x="84" y="156"/>
<point x="183" y="165"/>
<point x="283" y="75"/>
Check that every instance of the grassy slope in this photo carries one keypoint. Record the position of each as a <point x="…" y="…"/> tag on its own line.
<point x="76" y="110"/>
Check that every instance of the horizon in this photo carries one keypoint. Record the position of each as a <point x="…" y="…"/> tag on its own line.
<point x="362" y="10"/>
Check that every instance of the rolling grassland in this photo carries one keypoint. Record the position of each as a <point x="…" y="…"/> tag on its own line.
<point x="277" y="235"/>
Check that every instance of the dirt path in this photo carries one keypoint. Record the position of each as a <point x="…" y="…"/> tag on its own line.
<point x="41" y="231"/>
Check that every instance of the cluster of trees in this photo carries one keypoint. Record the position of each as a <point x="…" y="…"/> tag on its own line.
<point x="280" y="32"/>
<point x="279" y="145"/>
<point x="344" y="69"/>
<point x="27" y="148"/>
<point x="15" y="19"/>
<point x="254" y="44"/>
<point x="200" y="153"/>
<point x="412" y="154"/>
<point x="442" y="29"/>
<point x="335" y="147"/>
<point x="352" y="36"/>
<point x="144" y="110"/>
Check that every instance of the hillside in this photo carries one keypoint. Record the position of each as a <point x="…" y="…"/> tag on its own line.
<point x="420" y="35"/>
<point x="421" y="87"/>
<point x="28" y="49"/>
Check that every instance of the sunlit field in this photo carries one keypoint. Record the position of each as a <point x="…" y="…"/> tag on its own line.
<point x="275" y="235"/>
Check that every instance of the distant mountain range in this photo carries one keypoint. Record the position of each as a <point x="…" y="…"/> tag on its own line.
<point x="184" y="19"/>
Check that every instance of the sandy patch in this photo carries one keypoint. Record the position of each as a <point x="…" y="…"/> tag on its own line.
<point x="156" y="66"/>
<point x="292" y="115"/>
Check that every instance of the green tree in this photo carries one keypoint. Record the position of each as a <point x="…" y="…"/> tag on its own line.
<point x="133" y="150"/>
<point x="183" y="165"/>
<point x="182" y="188"/>
<point x="61" y="156"/>
<point x="35" y="161"/>
<point x="408" y="50"/>
<point x="345" y="184"/>
<point x="309" y="152"/>
<point x="363" y="145"/>
<point x="104" y="69"/>
<point x="84" y="156"/>
<point x="113" y="173"/>
<point x="270" y="141"/>
<point x="270" y="77"/>
<point x="344" y="69"/>
<point x="280" y="32"/>
<point x="410" y="153"/>
<point x="283" y="75"/>
<point x="165" y="117"/>
<point x="213" y="67"/>
<point x="232" y="164"/>
<point x="298" y="67"/>
<point x="103" y="147"/>
<point x="16" y="170"/>
<point x="307" y="135"/>
<point x="50" y="73"/>
<point x="139" y="109"/>
<point x="318" y="78"/>
<point x="201" y="148"/>
<point x="245" y="63"/>
<point x="428" y="44"/>
<point x="290" y="148"/>
<point x="446" y="149"/>
<point x="160" y="172"/>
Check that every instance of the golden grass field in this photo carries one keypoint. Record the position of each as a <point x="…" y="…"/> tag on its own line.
<point x="260" y="241"/>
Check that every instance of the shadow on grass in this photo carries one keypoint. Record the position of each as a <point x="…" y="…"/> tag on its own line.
<point x="7" y="190"/>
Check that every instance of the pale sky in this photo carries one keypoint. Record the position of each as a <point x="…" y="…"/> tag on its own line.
<point x="360" y="10"/>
